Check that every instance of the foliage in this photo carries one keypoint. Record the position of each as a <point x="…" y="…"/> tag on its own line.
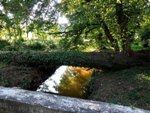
<point x="145" y="37"/>
<point x="19" y="18"/>
<point x="36" y="46"/>
<point x="136" y="47"/>
<point x="104" y="60"/>
<point x="98" y="25"/>
<point x="3" y="44"/>
<point x="111" y="24"/>
<point x="32" y="58"/>
<point x="27" y="45"/>
<point x="145" y="34"/>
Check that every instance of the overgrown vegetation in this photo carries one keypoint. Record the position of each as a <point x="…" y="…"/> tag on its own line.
<point x="23" y="76"/>
<point x="106" y="34"/>
<point x="92" y="25"/>
<point x="20" y="77"/>
<point x="32" y="58"/>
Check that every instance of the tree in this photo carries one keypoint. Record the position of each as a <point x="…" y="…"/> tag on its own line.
<point x="20" y="17"/>
<point x="111" y="23"/>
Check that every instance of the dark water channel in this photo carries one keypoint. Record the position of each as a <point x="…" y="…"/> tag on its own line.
<point x="68" y="81"/>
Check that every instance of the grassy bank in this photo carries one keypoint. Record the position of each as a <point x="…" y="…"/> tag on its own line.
<point x="127" y="87"/>
<point x="25" y="77"/>
<point x="18" y="76"/>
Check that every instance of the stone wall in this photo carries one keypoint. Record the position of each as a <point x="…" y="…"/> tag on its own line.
<point x="14" y="100"/>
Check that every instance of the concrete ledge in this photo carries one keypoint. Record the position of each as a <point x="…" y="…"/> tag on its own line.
<point x="22" y="101"/>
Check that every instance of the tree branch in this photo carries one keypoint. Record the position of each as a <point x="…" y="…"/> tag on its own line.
<point x="66" y="32"/>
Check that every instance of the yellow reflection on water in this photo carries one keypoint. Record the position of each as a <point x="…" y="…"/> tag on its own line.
<point x="74" y="82"/>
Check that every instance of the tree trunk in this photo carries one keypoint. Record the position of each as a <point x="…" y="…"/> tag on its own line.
<point x="122" y="20"/>
<point x="108" y="33"/>
<point x="109" y="36"/>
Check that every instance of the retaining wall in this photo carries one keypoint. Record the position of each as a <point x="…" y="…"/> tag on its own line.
<point x="14" y="100"/>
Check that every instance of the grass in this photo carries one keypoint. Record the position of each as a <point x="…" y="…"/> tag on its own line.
<point x="127" y="87"/>
<point x="18" y="76"/>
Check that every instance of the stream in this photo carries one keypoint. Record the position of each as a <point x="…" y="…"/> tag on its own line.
<point x="68" y="81"/>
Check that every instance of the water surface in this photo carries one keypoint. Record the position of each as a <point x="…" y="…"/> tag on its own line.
<point x="68" y="81"/>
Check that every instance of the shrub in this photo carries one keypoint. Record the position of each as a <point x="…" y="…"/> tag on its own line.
<point x="3" y="44"/>
<point x="145" y="36"/>
<point x="36" y="46"/>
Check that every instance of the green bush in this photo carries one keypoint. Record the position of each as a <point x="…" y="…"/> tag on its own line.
<point x="45" y="58"/>
<point x="136" y="47"/>
<point x="145" y="36"/>
<point x="3" y="44"/>
<point x="35" y="46"/>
